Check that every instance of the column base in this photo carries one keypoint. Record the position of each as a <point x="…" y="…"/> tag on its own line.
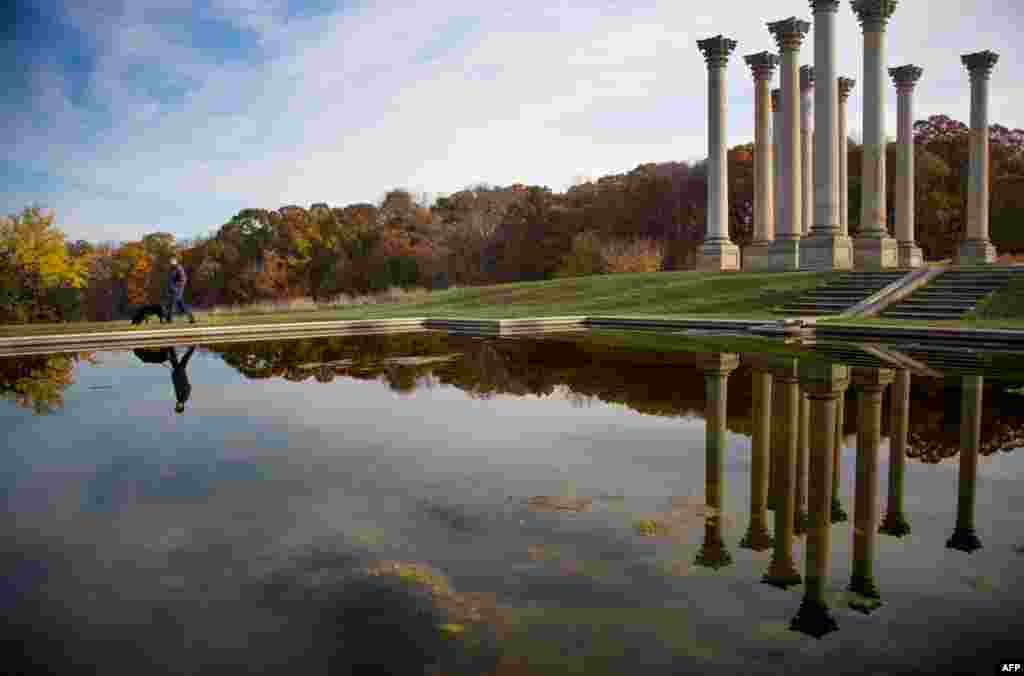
<point x="964" y="540"/>
<point x="718" y="255"/>
<point x="875" y="253"/>
<point x="801" y="522"/>
<point x="782" y="575"/>
<point x="864" y="586"/>
<point x="813" y="619"/>
<point x="757" y="538"/>
<point x="908" y="255"/>
<point x="784" y="255"/>
<point x="826" y="252"/>
<point x="976" y="252"/>
<point x="714" y="555"/>
<point x="757" y="256"/>
<point x="895" y="525"/>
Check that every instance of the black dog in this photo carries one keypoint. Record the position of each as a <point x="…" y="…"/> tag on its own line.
<point x="146" y="311"/>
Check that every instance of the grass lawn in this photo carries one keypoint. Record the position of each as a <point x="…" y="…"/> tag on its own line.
<point x="668" y="294"/>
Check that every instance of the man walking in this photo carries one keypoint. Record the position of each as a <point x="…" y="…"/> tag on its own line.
<point x="177" y="292"/>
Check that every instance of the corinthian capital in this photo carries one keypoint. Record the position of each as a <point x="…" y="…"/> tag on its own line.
<point x="873" y="14"/>
<point x="789" y="33"/>
<point x="762" y="64"/>
<point x="979" y="64"/>
<point x="716" y="50"/>
<point x="905" y="77"/>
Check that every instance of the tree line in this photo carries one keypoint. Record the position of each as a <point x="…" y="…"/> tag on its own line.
<point x="648" y="219"/>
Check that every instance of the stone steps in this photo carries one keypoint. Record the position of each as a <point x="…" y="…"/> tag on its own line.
<point x="841" y="293"/>
<point x="952" y="294"/>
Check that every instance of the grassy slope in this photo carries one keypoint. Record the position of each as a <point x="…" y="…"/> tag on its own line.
<point x="743" y="295"/>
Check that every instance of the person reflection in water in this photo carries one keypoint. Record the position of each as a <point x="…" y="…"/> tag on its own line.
<point x="179" y="376"/>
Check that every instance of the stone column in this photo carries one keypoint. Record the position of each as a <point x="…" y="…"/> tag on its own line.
<point x="827" y="248"/>
<point x="802" y="451"/>
<point x="757" y="537"/>
<point x="806" y="156"/>
<point x="895" y="523"/>
<point x="874" y="249"/>
<point x="976" y="249"/>
<point x="872" y="383"/>
<point x="776" y="163"/>
<point x="908" y="253"/>
<point x="823" y="384"/>
<point x="778" y="432"/>
<point x="718" y="252"/>
<point x="716" y="368"/>
<point x="964" y="538"/>
<point x="838" y="513"/>
<point x="785" y="250"/>
<point x="782" y="571"/>
<point x="755" y="256"/>
<point x="845" y="87"/>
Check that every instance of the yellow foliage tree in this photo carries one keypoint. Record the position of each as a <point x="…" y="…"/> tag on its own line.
<point x="37" y="246"/>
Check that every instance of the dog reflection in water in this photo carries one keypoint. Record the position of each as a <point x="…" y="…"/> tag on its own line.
<point x="179" y="376"/>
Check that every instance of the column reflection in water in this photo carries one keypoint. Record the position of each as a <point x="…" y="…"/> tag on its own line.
<point x="782" y="572"/>
<point x="838" y="513"/>
<point x="964" y="538"/>
<point x="716" y="368"/>
<point x="757" y="537"/>
<point x="871" y="384"/>
<point x="823" y="385"/>
<point x="777" y="432"/>
<point x="803" y="444"/>
<point x="895" y="523"/>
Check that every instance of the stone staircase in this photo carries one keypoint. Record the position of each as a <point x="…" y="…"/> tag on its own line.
<point x="841" y="293"/>
<point x="953" y="293"/>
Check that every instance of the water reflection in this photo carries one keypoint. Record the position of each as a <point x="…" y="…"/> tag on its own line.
<point x="796" y="412"/>
<point x="179" y="374"/>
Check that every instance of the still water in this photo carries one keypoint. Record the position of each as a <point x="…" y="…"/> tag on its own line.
<point x="587" y="503"/>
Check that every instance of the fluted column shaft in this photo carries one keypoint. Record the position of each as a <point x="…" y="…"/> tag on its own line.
<point x="802" y="452"/>
<point x="895" y="522"/>
<point x="777" y="197"/>
<point x="976" y="247"/>
<point x="789" y="35"/>
<point x="964" y="537"/>
<point x="718" y="252"/>
<point x="872" y="384"/>
<point x="813" y="617"/>
<point x="845" y="87"/>
<point x="826" y="118"/>
<point x="906" y="78"/>
<point x="782" y="572"/>
<point x="716" y="378"/>
<point x="838" y="514"/>
<point x="806" y="149"/>
<point x="874" y="248"/>
<point x="757" y="537"/>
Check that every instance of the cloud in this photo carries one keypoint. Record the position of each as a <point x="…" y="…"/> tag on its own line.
<point x="180" y="114"/>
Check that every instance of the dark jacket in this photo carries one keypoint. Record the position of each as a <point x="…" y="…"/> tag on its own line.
<point x="177" y="277"/>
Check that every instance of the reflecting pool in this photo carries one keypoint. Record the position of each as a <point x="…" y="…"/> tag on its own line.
<point x="592" y="502"/>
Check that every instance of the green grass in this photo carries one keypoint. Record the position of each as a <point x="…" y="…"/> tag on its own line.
<point x="667" y="294"/>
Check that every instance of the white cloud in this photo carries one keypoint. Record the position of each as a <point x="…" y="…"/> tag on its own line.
<point x="534" y="92"/>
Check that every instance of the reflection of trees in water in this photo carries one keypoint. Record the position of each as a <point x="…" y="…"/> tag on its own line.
<point x="655" y="383"/>
<point x="935" y="421"/>
<point x="38" y="382"/>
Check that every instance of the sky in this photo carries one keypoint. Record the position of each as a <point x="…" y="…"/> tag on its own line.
<point x="164" y="115"/>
